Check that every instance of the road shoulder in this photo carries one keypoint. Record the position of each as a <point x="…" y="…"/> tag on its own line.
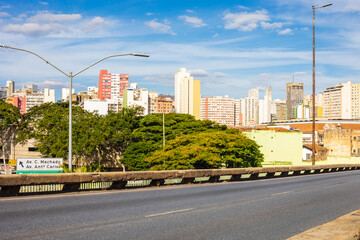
<point x="346" y="227"/>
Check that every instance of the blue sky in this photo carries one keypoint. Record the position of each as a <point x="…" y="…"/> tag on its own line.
<point x="231" y="46"/>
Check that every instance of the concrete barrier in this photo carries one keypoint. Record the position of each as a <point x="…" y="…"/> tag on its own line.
<point x="10" y="184"/>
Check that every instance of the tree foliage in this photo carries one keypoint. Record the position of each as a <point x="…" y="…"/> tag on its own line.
<point x="10" y="121"/>
<point x="207" y="150"/>
<point x="96" y="138"/>
<point x="148" y="138"/>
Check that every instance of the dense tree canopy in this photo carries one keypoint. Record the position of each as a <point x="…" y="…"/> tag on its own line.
<point x="148" y="137"/>
<point x="10" y="121"/>
<point x="207" y="150"/>
<point x="96" y="138"/>
<point x="136" y="142"/>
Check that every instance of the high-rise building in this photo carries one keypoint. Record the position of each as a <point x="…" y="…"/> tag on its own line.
<point x="249" y="107"/>
<point x="136" y="97"/>
<point x="281" y="111"/>
<point x="164" y="105"/>
<point x="152" y="101"/>
<point x="187" y="94"/>
<point x="294" y="96"/>
<point x="112" y="85"/>
<point x="49" y="95"/>
<point x="65" y="94"/>
<point x="342" y="101"/>
<point x="219" y="109"/>
<point x="265" y="106"/>
<point x="10" y="88"/>
<point x="3" y="92"/>
<point x="27" y="98"/>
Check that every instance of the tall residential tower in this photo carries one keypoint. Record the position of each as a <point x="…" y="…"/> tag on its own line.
<point x="187" y="94"/>
<point x="112" y="85"/>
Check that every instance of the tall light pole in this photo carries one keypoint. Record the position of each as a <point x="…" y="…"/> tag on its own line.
<point x="70" y="76"/>
<point x="313" y="80"/>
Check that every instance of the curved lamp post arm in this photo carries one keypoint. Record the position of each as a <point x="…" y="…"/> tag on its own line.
<point x="116" y="55"/>
<point x="24" y="50"/>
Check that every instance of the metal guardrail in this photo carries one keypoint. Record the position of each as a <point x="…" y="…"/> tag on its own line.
<point x="69" y="182"/>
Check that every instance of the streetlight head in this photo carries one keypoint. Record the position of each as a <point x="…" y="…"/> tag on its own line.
<point x="140" y="55"/>
<point x="326" y="5"/>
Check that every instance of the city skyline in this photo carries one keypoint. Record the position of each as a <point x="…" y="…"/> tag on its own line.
<point x="239" y="47"/>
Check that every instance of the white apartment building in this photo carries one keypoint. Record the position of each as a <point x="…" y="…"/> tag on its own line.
<point x="102" y="107"/>
<point x="187" y="94"/>
<point x="49" y="95"/>
<point x="133" y="97"/>
<point x="249" y="108"/>
<point x="265" y="107"/>
<point x="65" y="94"/>
<point x="37" y="98"/>
<point x="219" y="109"/>
<point x="342" y="101"/>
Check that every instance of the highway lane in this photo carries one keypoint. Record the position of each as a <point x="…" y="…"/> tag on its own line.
<point x="266" y="209"/>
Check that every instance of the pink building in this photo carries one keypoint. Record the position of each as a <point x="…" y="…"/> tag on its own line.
<point x="112" y="85"/>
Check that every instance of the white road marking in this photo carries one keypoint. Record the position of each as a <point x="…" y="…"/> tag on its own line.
<point x="170" y="212"/>
<point x="281" y="193"/>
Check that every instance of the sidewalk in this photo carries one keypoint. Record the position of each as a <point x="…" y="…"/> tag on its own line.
<point x="344" y="228"/>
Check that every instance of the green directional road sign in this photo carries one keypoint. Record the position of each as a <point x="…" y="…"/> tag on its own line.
<point x="39" y="165"/>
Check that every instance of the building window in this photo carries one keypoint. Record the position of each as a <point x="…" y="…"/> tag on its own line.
<point x="32" y="149"/>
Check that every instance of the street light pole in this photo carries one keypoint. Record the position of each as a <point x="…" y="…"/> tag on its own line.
<point x="313" y="82"/>
<point x="70" y="76"/>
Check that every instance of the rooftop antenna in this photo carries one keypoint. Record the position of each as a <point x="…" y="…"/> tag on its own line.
<point x="293" y="78"/>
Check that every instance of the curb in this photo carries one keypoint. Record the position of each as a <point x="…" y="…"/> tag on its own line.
<point x="346" y="227"/>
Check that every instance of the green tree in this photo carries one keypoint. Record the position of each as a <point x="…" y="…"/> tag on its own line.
<point x="10" y="120"/>
<point x="148" y="138"/>
<point x="97" y="139"/>
<point x="207" y="150"/>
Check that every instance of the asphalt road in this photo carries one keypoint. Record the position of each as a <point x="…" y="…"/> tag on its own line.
<point x="266" y="209"/>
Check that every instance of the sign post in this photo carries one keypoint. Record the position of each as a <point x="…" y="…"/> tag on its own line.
<point x="38" y="165"/>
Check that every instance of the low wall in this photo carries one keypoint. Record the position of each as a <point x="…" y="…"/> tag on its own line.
<point x="10" y="184"/>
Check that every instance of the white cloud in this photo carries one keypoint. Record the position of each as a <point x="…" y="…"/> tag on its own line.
<point x="305" y="29"/>
<point x="352" y="9"/>
<point x="52" y="84"/>
<point x="194" y="21"/>
<point x="242" y="7"/>
<point x="190" y="11"/>
<point x="286" y="31"/>
<point x="44" y="3"/>
<point x="267" y="25"/>
<point x="198" y="73"/>
<point x="5" y="6"/>
<point x="4" y="14"/>
<point x="149" y="14"/>
<point x="51" y="17"/>
<point x="33" y="29"/>
<point x="220" y="75"/>
<point x="159" y="27"/>
<point x="245" y="21"/>
<point x="94" y="24"/>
